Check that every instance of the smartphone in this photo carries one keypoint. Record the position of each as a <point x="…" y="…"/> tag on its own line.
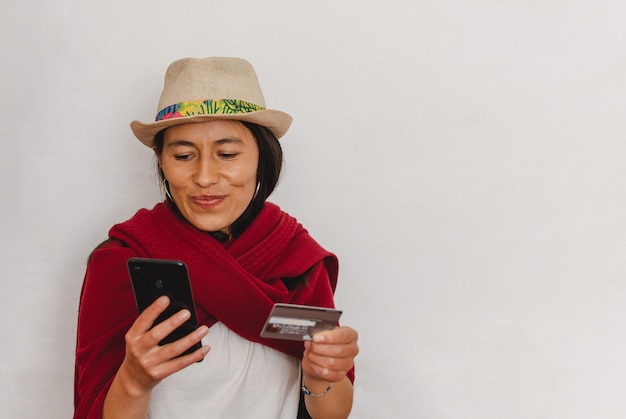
<point x="153" y="278"/>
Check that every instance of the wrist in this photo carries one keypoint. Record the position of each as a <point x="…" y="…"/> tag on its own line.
<point x="315" y="387"/>
<point x="309" y="393"/>
<point x="128" y="384"/>
<point x="126" y="398"/>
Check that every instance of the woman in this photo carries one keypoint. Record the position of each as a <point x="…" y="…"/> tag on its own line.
<point x="219" y="159"/>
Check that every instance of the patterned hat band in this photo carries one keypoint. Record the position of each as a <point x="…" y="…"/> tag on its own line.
<point x="207" y="107"/>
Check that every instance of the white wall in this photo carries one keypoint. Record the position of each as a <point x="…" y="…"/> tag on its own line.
<point x="465" y="160"/>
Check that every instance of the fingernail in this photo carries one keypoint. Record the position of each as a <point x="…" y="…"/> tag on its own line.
<point x="163" y="301"/>
<point x="318" y="338"/>
<point x="184" y="314"/>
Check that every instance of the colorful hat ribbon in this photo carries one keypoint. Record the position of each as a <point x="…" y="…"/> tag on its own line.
<point x="207" y="107"/>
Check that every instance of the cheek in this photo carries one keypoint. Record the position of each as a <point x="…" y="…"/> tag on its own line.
<point x="175" y="176"/>
<point x="251" y="176"/>
<point x="245" y="184"/>
<point x="176" y="171"/>
<point x="244" y="175"/>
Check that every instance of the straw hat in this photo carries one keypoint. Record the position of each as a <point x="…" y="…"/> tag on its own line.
<point x="204" y="89"/>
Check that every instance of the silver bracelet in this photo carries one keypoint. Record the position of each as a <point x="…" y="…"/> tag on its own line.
<point x="308" y="393"/>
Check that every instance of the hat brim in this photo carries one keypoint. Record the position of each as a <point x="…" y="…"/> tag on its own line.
<point x="277" y="122"/>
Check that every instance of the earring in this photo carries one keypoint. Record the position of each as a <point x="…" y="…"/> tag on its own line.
<point x="166" y="187"/>
<point x="256" y="192"/>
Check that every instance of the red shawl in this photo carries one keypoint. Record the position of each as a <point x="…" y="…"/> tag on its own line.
<point x="236" y="285"/>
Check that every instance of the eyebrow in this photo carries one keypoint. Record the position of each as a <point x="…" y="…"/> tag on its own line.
<point x="178" y="143"/>
<point x="186" y="143"/>
<point x="229" y="141"/>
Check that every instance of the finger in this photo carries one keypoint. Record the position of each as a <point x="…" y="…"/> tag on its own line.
<point x="340" y="342"/>
<point x="333" y="363"/>
<point x="147" y="317"/>
<point x="167" y="326"/>
<point x="338" y="335"/>
<point x="176" y="364"/>
<point x="329" y="355"/>
<point x="174" y="349"/>
<point x="347" y="350"/>
<point x="323" y="371"/>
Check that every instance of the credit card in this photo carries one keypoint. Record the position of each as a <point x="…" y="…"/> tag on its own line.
<point x="299" y="322"/>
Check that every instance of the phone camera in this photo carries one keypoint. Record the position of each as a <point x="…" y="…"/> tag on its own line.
<point x="158" y="284"/>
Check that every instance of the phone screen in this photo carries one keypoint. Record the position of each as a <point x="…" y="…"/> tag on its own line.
<point x="152" y="278"/>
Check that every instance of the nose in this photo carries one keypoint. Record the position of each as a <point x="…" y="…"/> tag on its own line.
<point x="206" y="174"/>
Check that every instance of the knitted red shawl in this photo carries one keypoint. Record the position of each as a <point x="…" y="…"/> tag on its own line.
<point x="236" y="285"/>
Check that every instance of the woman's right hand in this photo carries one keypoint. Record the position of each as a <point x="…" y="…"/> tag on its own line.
<point x="146" y="363"/>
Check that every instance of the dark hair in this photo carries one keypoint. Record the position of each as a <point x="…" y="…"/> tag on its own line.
<point x="268" y="172"/>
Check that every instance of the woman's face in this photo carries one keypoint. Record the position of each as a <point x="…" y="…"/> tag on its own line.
<point x="211" y="169"/>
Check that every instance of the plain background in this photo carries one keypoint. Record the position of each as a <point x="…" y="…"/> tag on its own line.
<point x="463" y="158"/>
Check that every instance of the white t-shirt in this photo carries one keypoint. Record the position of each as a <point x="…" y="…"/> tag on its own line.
<point x="237" y="379"/>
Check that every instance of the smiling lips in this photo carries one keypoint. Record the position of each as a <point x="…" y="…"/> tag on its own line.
<point x="208" y="201"/>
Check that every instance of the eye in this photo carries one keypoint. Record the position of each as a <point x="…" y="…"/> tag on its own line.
<point x="227" y="156"/>
<point x="182" y="157"/>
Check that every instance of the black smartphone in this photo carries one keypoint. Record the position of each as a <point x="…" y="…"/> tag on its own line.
<point x="152" y="278"/>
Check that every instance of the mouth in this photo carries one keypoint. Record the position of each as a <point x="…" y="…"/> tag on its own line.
<point x="208" y="201"/>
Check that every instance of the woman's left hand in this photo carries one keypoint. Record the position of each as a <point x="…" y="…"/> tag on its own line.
<point x="330" y="355"/>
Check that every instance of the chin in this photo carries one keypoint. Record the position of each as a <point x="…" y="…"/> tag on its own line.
<point x="208" y="226"/>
